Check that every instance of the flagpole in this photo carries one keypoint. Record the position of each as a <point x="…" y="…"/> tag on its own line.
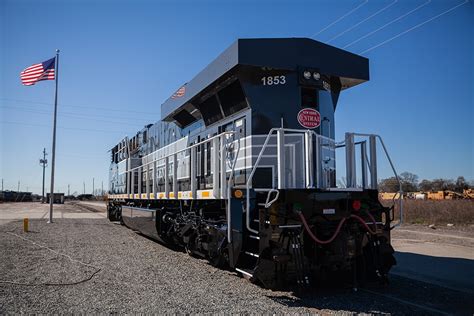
<point x="53" y="154"/>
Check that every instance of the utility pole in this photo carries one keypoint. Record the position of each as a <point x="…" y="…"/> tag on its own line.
<point x="18" y="190"/>
<point x="93" y="186"/>
<point x="68" y="194"/>
<point x="102" y="188"/>
<point x="84" y="191"/>
<point x="2" y="184"/>
<point x="43" y="162"/>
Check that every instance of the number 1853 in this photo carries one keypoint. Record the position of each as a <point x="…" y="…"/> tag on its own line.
<point x="273" y="80"/>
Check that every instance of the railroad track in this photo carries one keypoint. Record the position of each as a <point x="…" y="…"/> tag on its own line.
<point x="423" y="307"/>
<point x="86" y="207"/>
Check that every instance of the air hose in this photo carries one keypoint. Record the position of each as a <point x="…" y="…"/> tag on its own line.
<point x="338" y="229"/>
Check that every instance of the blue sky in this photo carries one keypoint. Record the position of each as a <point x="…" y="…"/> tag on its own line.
<point x="121" y="59"/>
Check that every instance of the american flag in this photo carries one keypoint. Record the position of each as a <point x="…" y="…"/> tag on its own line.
<point x="38" y="72"/>
<point x="179" y="93"/>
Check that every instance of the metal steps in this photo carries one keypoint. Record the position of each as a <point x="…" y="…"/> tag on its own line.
<point x="247" y="273"/>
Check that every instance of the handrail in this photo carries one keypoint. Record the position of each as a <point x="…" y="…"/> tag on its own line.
<point x="337" y="145"/>
<point x="254" y="168"/>
<point x="229" y="221"/>
<point x="184" y="149"/>
<point x="269" y="203"/>
<point x="249" y="181"/>
<point x="174" y="156"/>
<point x="400" y="191"/>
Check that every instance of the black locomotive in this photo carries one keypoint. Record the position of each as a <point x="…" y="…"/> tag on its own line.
<point x="241" y="168"/>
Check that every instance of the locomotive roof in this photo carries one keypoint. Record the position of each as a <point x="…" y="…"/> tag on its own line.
<point x="279" y="53"/>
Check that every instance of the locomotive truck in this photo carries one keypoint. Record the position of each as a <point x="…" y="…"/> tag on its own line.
<point x="242" y="169"/>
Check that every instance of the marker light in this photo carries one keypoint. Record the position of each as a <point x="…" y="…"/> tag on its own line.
<point x="306" y="74"/>
<point x="316" y="76"/>
<point x="356" y="205"/>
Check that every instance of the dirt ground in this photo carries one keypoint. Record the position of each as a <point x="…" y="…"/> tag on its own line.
<point x="442" y="256"/>
<point x="110" y="269"/>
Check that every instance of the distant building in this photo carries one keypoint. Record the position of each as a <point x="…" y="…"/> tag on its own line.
<point x="57" y="199"/>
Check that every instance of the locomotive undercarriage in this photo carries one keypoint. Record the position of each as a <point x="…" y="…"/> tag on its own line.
<point x="197" y="227"/>
<point x="305" y="237"/>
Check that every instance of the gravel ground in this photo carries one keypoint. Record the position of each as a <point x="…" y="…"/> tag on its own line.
<point x="138" y="275"/>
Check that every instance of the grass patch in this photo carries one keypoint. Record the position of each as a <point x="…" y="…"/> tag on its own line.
<point x="458" y="212"/>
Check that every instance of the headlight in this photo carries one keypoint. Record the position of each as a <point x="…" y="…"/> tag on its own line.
<point x="316" y="76"/>
<point x="306" y="74"/>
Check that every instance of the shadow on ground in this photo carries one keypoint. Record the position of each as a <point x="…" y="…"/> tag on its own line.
<point x="403" y="295"/>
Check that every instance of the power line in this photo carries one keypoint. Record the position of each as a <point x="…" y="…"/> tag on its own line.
<point x="70" y="128"/>
<point x="364" y="20"/>
<point x="78" y="116"/>
<point x="18" y="107"/>
<point x="387" y="24"/>
<point x="342" y="17"/>
<point x="81" y="106"/>
<point x="414" y="27"/>
<point x="82" y="156"/>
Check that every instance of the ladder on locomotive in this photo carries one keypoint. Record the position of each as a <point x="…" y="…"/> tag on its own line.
<point x="259" y="201"/>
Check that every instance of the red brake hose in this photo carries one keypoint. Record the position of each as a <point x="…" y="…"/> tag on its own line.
<point x="338" y="229"/>
<point x="310" y="233"/>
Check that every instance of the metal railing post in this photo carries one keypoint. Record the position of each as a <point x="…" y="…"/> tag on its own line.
<point x="129" y="166"/>
<point x="155" y="181"/>
<point x="350" y="161"/>
<point x="318" y="161"/>
<point x="132" y="183"/>
<point x="167" y="177"/>
<point x="373" y="168"/>
<point x="175" y="175"/>
<point x="373" y="161"/>
<point x="215" y="167"/>
<point x="363" y="162"/>
<point x="192" y="176"/>
<point x="281" y="166"/>
<point x="308" y="154"/>
<point x="129" y="183"/>
<point x="223" y="168"/>
<point x="147" y="181"/>
<point x="229" y="193"/>
<point x="140" y="173"/>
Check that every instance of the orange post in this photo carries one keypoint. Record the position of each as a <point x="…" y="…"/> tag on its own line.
<point x="25" y="225"/>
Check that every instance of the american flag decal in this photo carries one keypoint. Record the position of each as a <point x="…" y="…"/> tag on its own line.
<point x="179" y="93"/>
<point x="38" y="72"/>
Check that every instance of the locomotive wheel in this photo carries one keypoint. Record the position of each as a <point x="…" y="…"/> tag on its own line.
<point x="114" y="213"/>
<point x="221" y="260"/>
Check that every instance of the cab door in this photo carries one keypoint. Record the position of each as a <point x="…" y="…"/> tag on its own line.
<point x="237" y="147"/>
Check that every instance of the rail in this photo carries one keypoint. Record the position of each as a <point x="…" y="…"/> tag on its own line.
<point x="372" y="138"/>
<point x="229" y="184"/>
<point x="310" y="153"/>
<point x="172" y="158"/>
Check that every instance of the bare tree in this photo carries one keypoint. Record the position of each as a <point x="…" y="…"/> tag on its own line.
<point x="425" y="185"/>
<point x="389" y="185"/>
<point x="409" y="181"/>
<point x="442" y="184"/>
<point x="461" y="184"/>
